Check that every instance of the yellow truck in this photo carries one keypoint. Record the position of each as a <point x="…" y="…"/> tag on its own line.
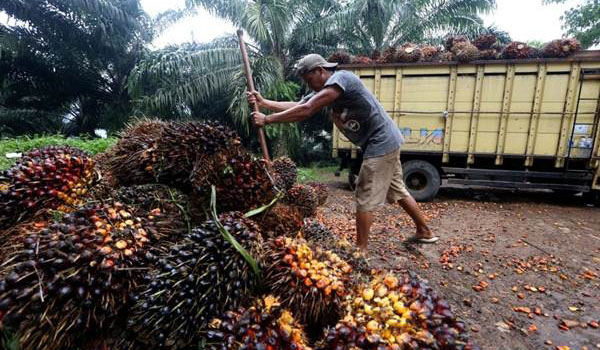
<point x="529" y="123"/>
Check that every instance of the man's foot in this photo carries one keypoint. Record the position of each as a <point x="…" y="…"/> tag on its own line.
<point x="425" y="240"/>
<point x="423" y="235"/>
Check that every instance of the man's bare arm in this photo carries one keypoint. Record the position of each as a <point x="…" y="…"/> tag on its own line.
<point x="275" y="106"/>
<point x="303" y="111"/>
<point x="278" y="106"/>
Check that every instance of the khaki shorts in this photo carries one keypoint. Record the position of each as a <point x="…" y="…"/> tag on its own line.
<point x="380" y="179"/>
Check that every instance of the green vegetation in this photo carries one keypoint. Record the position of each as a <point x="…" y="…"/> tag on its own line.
<point x="582" y="21"/>
<point x="23" y="144"/>
<point x="314" y="173"/>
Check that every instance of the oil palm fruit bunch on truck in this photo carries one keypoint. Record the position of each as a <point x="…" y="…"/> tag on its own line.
<point x="75" y="275"/>
<point x="561" y="48"/>
<point x="396" y="313"/>
<point x="47" y="178"/>
<point x="264" y="325"/>
<point x="311" y="283"/>
<point x="196" y="279"/>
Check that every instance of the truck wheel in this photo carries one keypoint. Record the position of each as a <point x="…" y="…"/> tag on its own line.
<point x="422" y="179"/>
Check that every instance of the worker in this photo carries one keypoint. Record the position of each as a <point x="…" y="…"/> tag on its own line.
<point x="362" y="119"/>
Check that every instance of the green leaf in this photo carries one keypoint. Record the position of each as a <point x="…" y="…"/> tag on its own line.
<point x="249" y="259"/>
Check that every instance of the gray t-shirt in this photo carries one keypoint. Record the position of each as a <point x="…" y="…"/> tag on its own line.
<point x="360" y="117"/>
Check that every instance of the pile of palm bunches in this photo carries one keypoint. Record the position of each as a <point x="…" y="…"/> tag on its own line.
<point x="561" y="48"/>
<point x="279" y="220"/>
<point x="312" y="283"/>
<point x="408" y="53"/>
<point x="518" y="50"/>
<point x="303" y="197"/>
<point x="153" y="151"/>
<point x="321" y="190"/>
<point x="75" y="275"/>
<point x="284" y="172"/>
<point x="198" y="278"/>
<point x="47" y="178"/>
<point x="340" y="57"/>
<point x="391" y="313"/>
<point x="241" y="180"/>
<point x="265" y="325"/>
<point x="317" y="234"/>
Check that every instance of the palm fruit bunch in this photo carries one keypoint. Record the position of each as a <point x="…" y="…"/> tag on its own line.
<point x="285" y="173"/>
<point x="453" y="40"/>
<point x="303" y="197"/>
<point x="107" y="182"/>
<point x="398" y="314"/>
<point x="312" y="283"/>
<point x="135" y="158"/>
<point x="75" y="274"/>
<point x="198" y="278"/>
<point x="349" y="335"/>
<point x="264" y="325"/>
<point x="151" y="151"/>
<point x="340" y="57"/>
<point x="408" y="53"/>
<point x="279" y="220"/>
<point x="429" y="53"/>
<point x="388" y="55"/>
<point x="321" y="190"/>
<point x="489" y="54"/>
<point x="561" y="48"/>
<point x="179" y="211"/>
<point x="518" y="50"/>
<point x="485" y="41"/>
<point x="46" y="178"/>
<point x="465" y="52"/>
<point x="241" y="180"/>
<point x="362" y="60"/>
<point x="447" y="56"/>
<point x="318" y="235"/>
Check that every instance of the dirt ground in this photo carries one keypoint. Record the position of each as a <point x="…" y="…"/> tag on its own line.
<point x="521" y="269"/>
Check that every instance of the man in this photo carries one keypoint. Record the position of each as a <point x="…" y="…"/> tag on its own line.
<point x="362" y="119"/>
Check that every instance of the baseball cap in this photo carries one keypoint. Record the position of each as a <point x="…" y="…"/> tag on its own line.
<point x="312" y="61"/>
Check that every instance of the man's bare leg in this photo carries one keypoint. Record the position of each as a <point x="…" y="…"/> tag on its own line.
<point x="412" y="208"/>
<point x="364" y="220"/>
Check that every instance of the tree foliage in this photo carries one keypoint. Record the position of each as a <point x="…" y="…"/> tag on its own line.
<point x="582" y="21"/>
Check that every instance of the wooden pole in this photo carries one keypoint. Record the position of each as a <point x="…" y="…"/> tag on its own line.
<point x="261" y="133"/>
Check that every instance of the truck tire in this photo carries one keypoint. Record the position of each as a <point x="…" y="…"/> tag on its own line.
<point x="422" y="180"/>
